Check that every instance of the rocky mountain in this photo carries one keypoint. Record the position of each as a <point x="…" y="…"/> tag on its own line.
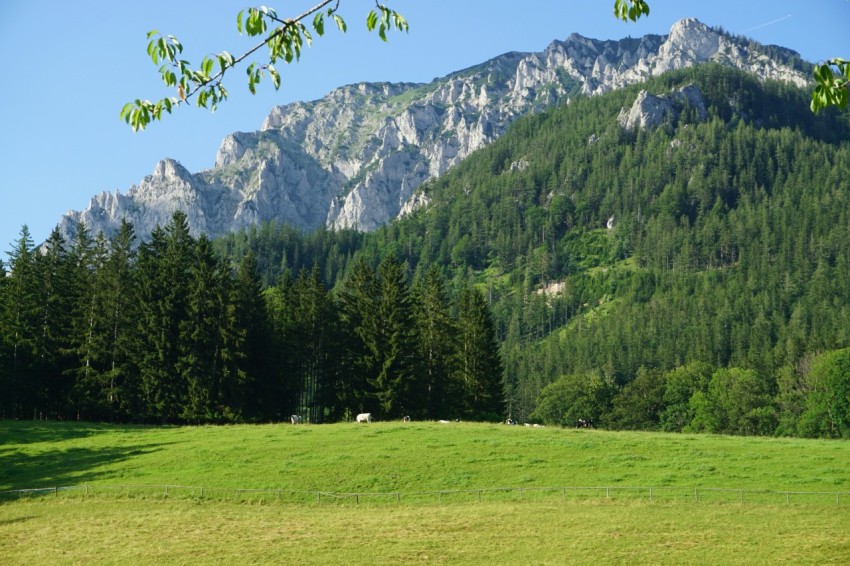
<point x="356" y="157"/>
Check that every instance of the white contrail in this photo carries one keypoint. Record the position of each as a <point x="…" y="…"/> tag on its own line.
<point x="770" y="23"/>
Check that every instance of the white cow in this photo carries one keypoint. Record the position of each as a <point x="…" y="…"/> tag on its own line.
<point x="296" y="419"/>
<point x="364" y="418"/>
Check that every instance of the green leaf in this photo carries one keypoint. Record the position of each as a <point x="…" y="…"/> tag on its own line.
<point x="340" y="23"/>
<point x="275" y="77"/>
<point x="319" y="24"/>
<point x="239" y="21"/>
<point x="371" y="20"/>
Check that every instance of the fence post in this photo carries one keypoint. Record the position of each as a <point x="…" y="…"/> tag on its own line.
<point x="357" y="498"/>
<point x="87" y="489"/>
<point x="696" y="495"/>
<point x="166" y="490"/>
<point x="440" y="496"/>
<point x="202" y="492"/>
<point x="787" y="497"/>
<point x="479" y="496"/>
<point x="742" y="496"/>
<point x="650" y="494"/>
<point x="398" y="497"/>
<point x="318" y="497"/>
<point x="607" y="493"/>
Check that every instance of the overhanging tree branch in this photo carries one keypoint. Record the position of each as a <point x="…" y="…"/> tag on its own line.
<point x="284" y="42"/>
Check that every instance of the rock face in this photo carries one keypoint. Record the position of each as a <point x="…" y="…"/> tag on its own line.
<point x="356" y="157"/>
<point x="649" y="111"/>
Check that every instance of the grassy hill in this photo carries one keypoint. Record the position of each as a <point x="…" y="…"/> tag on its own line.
<point x="531" y="527"/>
<point x="408" y="457"/>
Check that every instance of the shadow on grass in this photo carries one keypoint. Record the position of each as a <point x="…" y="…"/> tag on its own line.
<point x="31" y="432"/>
<point x="25" y="465"/>
<point x="63" y="467"/>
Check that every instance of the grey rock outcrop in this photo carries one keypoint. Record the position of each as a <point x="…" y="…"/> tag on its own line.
<point x="357" y="157"/>
<point x="649" y="110"/>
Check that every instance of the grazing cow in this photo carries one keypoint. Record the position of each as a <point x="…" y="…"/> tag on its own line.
<point x="296" y="419"/>
<point x="510" y="421"/>
<point x="442" y="421"/>
<point x="584" y="423"/>
<point x="364" y="418"/>
<point x="406" y="419"/>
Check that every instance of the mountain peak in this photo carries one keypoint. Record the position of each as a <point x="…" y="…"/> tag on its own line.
<point x="356" y="157"/>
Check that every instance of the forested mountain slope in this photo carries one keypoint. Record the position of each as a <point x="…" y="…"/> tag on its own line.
<point x="719" y="236"/>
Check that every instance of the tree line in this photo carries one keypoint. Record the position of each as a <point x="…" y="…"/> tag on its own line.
<point x="168" y="331"/>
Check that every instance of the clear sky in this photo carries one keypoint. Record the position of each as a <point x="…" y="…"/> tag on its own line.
<point x="70" y="66"/>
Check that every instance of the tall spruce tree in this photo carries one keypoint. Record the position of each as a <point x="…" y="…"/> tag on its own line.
<point x="209" y="343"/>
<point x="252" y="322"/>
<point x="20" y="327"/>
<point x="163" y="267"/>
<point x="399" y="385"/>
<point x="437" y="340"/>
<point x="54" y="315"/>
<point x="358" y="303"/>
<point x="480" y="366"/>
<point x="315" y="339"/>
<point x="121" y="305"/>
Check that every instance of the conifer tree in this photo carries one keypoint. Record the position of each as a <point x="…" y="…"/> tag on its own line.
<point x="121" y="306"/>
<point x="164" y="278"/>
<point x="437" y="338"/>
<point x="480" y="365"/>
<point x="20" y="327"/>
<point x="358" y="305"/>
<point x="209" y="343"/>
<point x="54" y="308"/>
<point x="399" y="384"/>
<point x="252" y="322"/>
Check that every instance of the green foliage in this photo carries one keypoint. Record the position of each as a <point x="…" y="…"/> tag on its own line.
<point x="833" y="85"/>
<point x="574" y="398"/>
<point x="630" y="9"/>
<point x="736" y="402"/>
<point x="827" y="405"/>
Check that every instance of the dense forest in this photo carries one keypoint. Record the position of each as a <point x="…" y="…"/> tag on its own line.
<point x="169" y="332"/>
<point x="690" y="277"/>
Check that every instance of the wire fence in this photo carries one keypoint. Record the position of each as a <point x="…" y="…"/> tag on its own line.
<point x="574" y="493"/>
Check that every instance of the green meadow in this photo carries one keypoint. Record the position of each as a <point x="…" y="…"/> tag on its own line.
<point x="714" y="499"/>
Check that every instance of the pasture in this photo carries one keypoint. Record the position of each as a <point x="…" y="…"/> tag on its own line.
<point x="572" y="526"/>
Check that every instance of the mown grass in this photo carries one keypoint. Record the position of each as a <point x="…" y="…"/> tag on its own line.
<point x="572" y="526"/>
<point x="114" y="531"/>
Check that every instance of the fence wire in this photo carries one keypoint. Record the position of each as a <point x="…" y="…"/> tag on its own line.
<point x="497" y="494"/>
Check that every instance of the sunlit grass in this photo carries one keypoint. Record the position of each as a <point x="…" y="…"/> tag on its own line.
<point x="713" y="499"/>
<point x="115" y="531"/>
<point x="409" y="457"/>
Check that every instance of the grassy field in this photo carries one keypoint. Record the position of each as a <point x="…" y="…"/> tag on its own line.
<point x="575" y="526"/>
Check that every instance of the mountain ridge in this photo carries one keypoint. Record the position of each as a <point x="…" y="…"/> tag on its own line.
<point x="356" y="157"/>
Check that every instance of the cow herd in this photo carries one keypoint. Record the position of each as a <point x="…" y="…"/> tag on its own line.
<point x="367" y="418"/>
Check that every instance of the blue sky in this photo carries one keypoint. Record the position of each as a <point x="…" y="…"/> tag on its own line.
<point x="70" y="66"/>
